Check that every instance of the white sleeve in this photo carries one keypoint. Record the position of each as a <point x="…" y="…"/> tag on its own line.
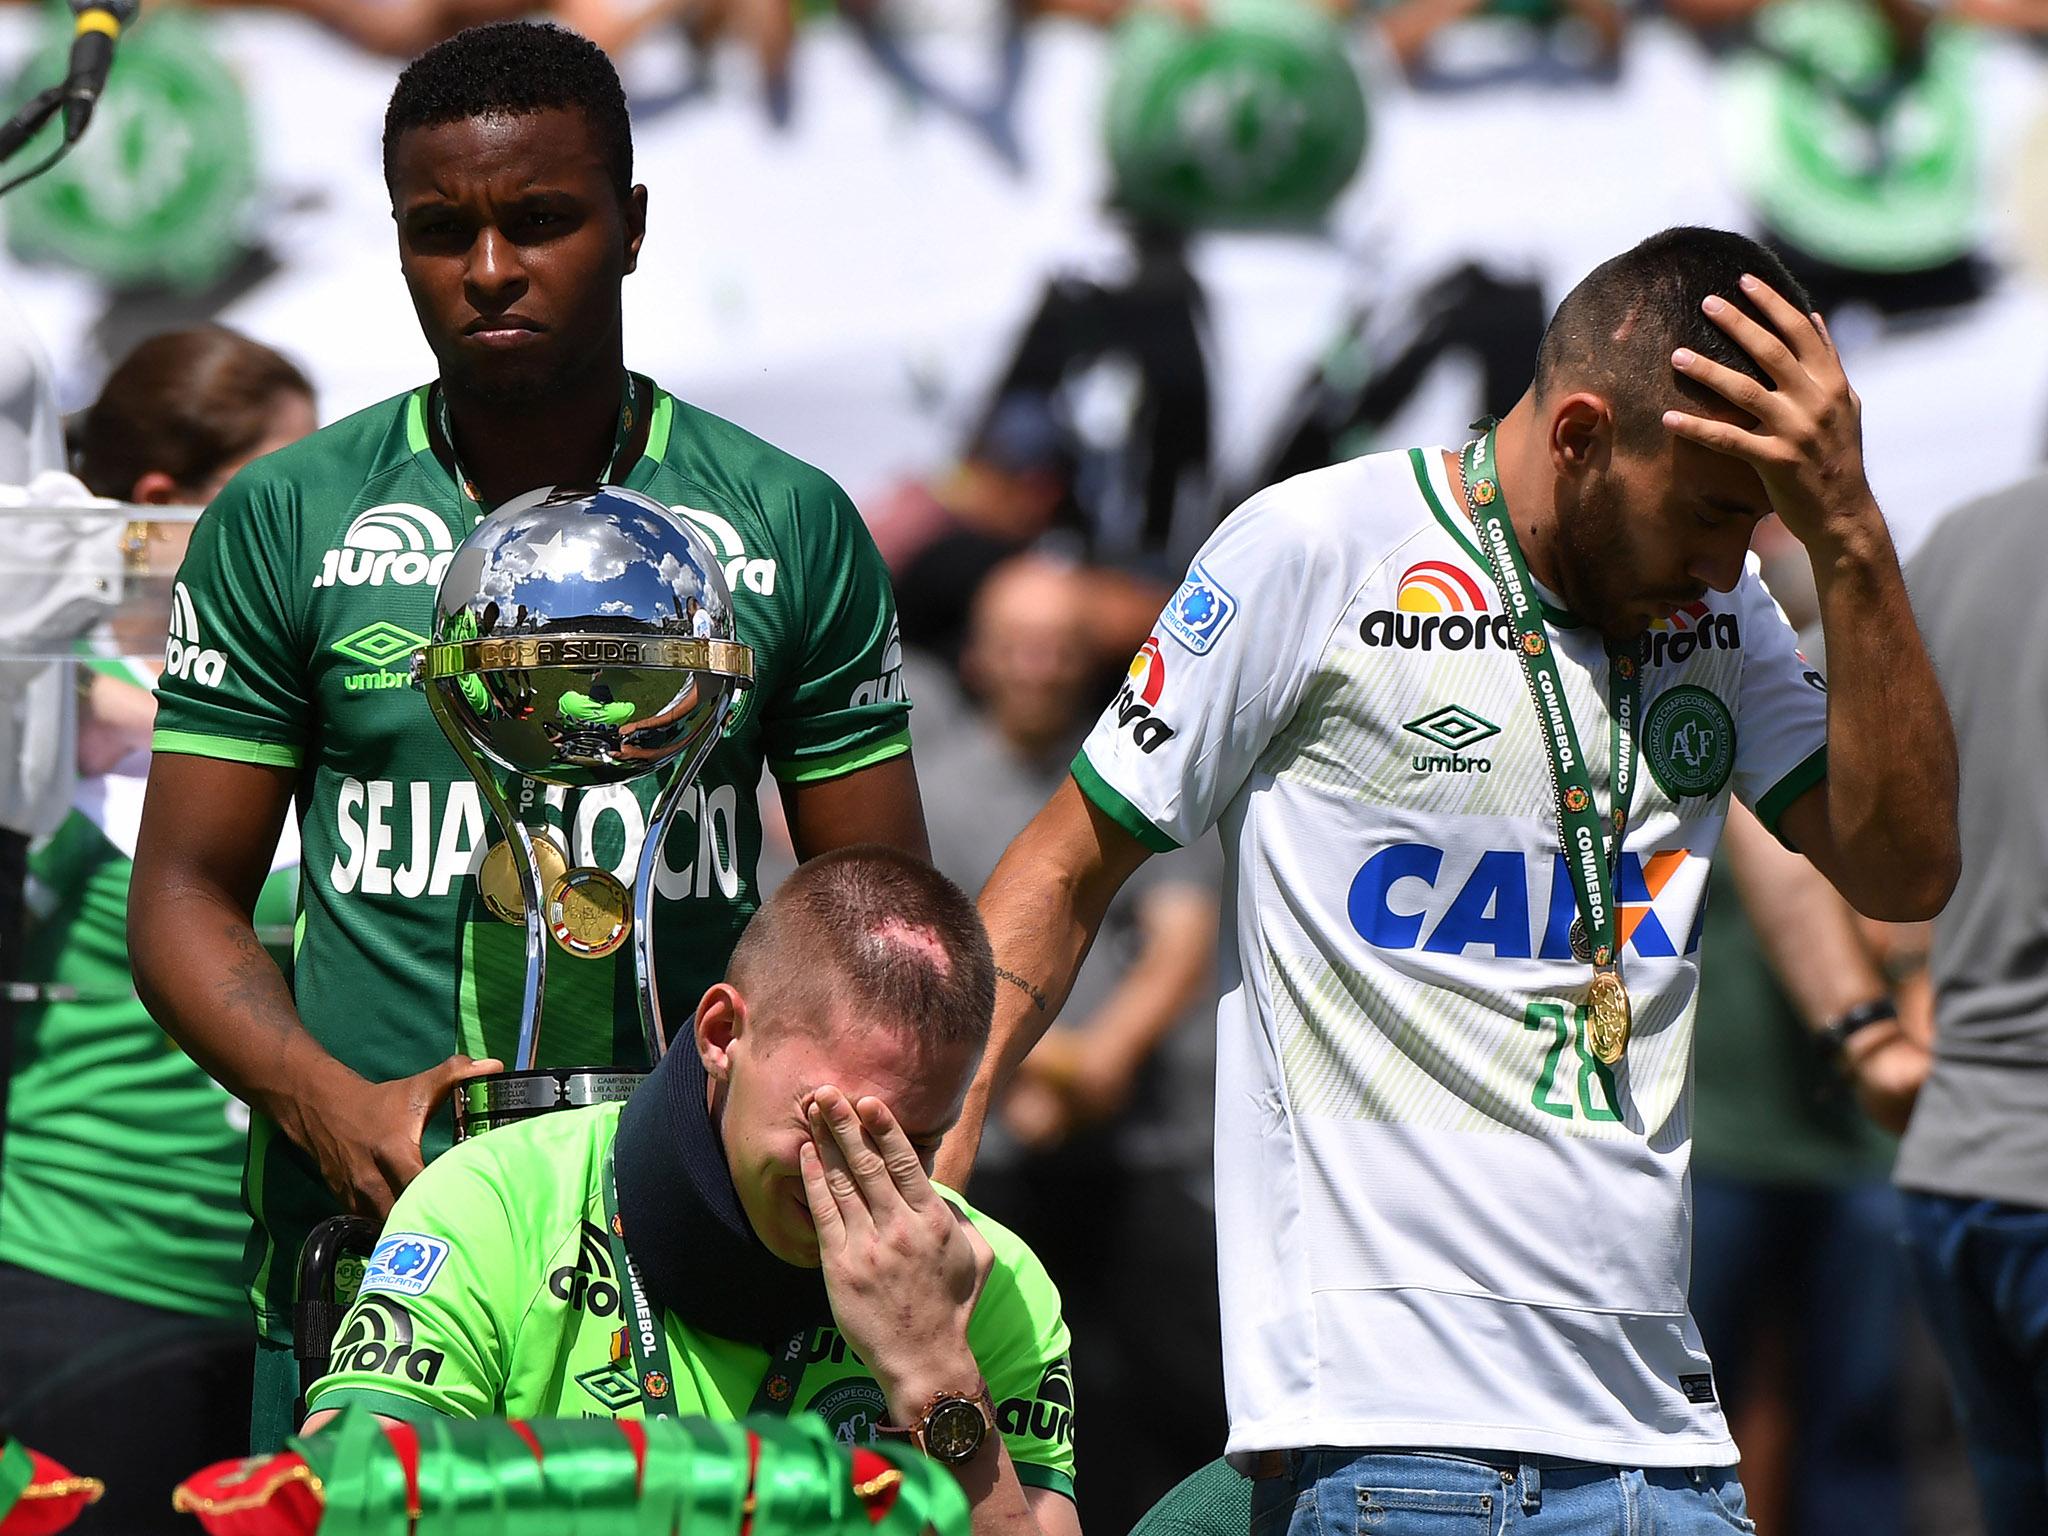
<point x="1781" y="736"/>
<point x="1223" y="670"/>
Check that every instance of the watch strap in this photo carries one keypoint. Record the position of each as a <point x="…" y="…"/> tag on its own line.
<point x="1834" y="1034"/>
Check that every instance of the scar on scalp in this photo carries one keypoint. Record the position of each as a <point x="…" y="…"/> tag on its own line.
<point x="925" y="942"/>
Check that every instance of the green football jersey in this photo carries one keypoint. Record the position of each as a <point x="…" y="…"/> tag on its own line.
<point x="493" y="1291"/>
<point x="123" y="1159"/>
<point x="310" y="580"/>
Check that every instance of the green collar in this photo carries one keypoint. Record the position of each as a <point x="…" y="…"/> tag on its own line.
<point x="1428" y="466"/>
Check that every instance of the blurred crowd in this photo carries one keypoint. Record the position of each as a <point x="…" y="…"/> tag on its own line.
<point x="1031" y="555"/>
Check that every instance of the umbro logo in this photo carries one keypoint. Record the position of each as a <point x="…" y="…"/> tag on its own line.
<point x="1453" y="729"/>
<point x="377" y="646"/>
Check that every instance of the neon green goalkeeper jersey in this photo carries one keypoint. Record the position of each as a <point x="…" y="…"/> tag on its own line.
<point x="493" y="1291"/>
<point x="310" y="580"/>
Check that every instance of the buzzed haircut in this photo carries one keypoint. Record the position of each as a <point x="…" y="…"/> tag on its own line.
<point x="511" y="69"/>
<point x="1615" y="332"/>
<point x="882" y="931"/>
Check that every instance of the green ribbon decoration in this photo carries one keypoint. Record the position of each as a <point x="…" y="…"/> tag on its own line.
<point x="665" y="1480"/>
<point x="929" y="1496"/>
<point x="527" y="1508"/>
<point x="482" y="1479"/>
<point x="363" y="1479"/>
<point x="715" y="1464"/>
<point x="459" y="1494"/>
<point x="15" y="1471"/>
<point x="591" y="1473"/>
<point x="800" y="1485"/>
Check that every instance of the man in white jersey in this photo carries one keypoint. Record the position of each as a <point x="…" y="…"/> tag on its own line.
<point x="1469" y="722"/>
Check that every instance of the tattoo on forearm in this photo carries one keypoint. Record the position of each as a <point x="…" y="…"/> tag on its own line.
<point x="1036" y="994"/>
<point x="252" y="989"/>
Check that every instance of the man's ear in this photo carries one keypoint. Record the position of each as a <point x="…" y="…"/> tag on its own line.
<point x="721" y="1022"/>
<point x="154" y="488"/>
<point x="636" y="226"/>
<point x="1581" y="433"/>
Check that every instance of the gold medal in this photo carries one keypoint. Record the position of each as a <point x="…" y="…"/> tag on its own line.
<point x="1609" y="1017"/>
<point x="589" y="912"/>
<point x="498" y="881"/>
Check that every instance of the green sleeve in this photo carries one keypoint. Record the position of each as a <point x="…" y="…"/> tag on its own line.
<point x="234" y="682"/>
<point x="1020" y="1341"/>
<point x="844" y="706"/>
<point x="432" y="1323"/>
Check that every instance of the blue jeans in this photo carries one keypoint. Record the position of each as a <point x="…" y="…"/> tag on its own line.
<point x="1481" y="1493"/>
<point x="1823" y="1264"/>
<point x="1982" y="1268"/>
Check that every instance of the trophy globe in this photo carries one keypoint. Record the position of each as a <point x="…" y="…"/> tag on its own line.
<point x="582" y="637"/>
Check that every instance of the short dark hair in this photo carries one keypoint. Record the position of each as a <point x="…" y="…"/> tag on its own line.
<point x="882" y="930"/>
<point x="509" y="69"/>
<point x="1615" y="332"/>
<point x="185" y="403"/>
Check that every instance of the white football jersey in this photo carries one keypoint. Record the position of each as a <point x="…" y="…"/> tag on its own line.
<point x="1442" y="1221"/>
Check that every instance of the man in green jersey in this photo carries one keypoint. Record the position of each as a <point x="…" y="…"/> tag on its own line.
<point x="508" y="158"/>
<point x="124" y="1342"/>
<point x="756" y="1231"/>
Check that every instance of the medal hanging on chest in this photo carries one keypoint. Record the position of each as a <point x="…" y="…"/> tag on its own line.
<point x="588" y="909"/>
<point x="1591" y="842"/>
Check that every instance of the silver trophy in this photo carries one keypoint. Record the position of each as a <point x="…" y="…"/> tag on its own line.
<point x="581" y="638"/>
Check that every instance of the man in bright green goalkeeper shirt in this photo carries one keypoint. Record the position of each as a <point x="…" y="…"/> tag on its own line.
<point x="312" y="576"/>
<point x="756" y="1231"/>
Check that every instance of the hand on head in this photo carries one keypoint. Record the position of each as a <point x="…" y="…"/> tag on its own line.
<point x="1807" y="444"/>
<point x="902" y="1267"/>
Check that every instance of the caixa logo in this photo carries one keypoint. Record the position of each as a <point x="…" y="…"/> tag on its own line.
<point x="1414" y="896"/>
<point x="184" y="655"/>
<point x="403" y="544"/>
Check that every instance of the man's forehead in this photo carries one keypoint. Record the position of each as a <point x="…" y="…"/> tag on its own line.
<point x="919" y="1082"/>
<point x="547" y="144"/>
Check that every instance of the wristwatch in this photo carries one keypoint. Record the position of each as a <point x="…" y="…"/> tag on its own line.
<point x="953" y="1428"/>
<point x="1835" y="1033"/>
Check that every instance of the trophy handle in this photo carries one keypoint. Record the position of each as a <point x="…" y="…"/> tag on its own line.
<point x="520" y="837"/>
<point x="658" y="821"/>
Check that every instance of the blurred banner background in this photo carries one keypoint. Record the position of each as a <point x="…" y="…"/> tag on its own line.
<point x="845" y="254"/>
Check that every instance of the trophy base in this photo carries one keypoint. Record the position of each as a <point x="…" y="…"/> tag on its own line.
<point x="487" y="1103"/>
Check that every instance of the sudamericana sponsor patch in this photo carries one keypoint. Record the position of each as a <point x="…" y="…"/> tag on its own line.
<point x="404" y="1263"/>
<point x="1200" y="611"/>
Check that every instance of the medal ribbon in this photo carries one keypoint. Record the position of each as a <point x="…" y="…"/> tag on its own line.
<point x="643" y="1322"/>
<point x="628" y="396"/>
<point x="1591" y="859"/>
<point x="644" y="1328"/>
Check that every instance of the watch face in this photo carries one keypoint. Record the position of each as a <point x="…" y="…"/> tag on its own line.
<point x="954" y="1430"/>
